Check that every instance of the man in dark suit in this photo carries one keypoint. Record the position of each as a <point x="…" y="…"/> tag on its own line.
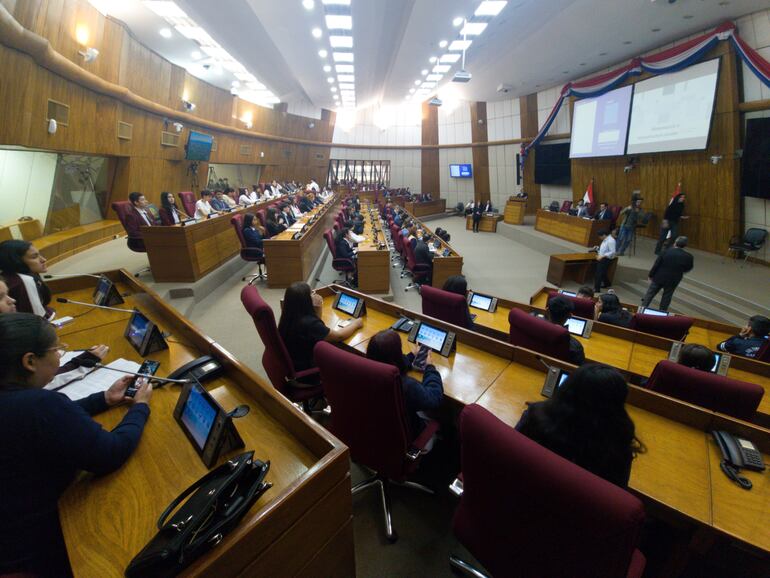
<point x="667" y="272"/>
<point x="477" y="212"/>
<point x="487" y="208"/>
<point x="423" y="255"/>
<point x="604" y="213"/>
<point x="138" y="216"/>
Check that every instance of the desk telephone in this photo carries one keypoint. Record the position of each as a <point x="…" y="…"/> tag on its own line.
<point x="738" y="453"/>
<point x="201" y="369"/>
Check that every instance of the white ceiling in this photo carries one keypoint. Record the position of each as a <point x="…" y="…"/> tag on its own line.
<point x="531" y="45"/>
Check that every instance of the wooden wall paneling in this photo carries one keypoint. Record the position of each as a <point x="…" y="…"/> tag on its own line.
<point x="430" y="180"/>
<point x="480" y="153"/>
<point x="529" y="129"/>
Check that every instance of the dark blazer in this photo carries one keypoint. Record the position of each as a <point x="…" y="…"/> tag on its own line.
<point x="422" y="254"/>
<point x="477" y="210"/>
<point x="289" y="216"/>
<point x="133" y="221"/>
<point x="167" y="218"/>
<point x="344" y="250"/>
<point x="305" y="205"/>
<point x="671" y="266"/>
<point x="252" y="237"/>
<point x="605" y="215"/>
<point x="487" y="208"/>
<point x="274" y="228"/>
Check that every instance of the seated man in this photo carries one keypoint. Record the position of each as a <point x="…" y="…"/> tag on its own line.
<point x="203" y="208"/>
<point x="288" y="216"/>
<point x="585" y="292"/>
<point x="228" y="198"/>
<point x="138" y="216"/>
<point x="423" y="255"/>
<point x="559" y="310"/>
<point x="750" y="339"/>
<point x="305" y="204"/>
<point x="604" y="213"/>
<point x="218" y="203"/>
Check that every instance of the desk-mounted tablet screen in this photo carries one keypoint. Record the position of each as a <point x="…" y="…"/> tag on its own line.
<point x="717" y="359"/>
<point x="650" y="311"/>
<point x="437" y="339"/>
<point x="106" y="294"/>
<point x="576" y="326"/>
<point x="567" y="293"/>
<point x="198" y="415"/>
<point x="144" y="335"/>
<point x="349" y="304"/>
<point x="483" y="302"/>
<point x="554" y="379"/>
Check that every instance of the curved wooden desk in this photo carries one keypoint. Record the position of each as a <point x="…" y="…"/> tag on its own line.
<point x="301" y="526"/>
<point x="425" y="208"/>
<point x="443" y="267"/>
<point x="570" y="228"/>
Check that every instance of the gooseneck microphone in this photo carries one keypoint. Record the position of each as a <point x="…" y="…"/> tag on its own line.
<point x="69" y="275"/>
<point x="96" y="364"/>
<point x="84" y="304"/>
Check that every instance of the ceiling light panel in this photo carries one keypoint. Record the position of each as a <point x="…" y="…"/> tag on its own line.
<point x="434" y="77"/>
<point x="165" y="9"/>
<point x="449" y="58"/>
<point x="339" y="22"/>
<point x="336" y="2"/>
<point x="460" y="45"/>
<point x="441" y="68"/>
<point x="347" y="86"/>
<point x="345" y="68"/>
<point x="473" y="28"/>
<point x="490" y="8"/>
<point x="341" y="41"/>
<point x="342" y="56"/>
<point x="346" y="77"/>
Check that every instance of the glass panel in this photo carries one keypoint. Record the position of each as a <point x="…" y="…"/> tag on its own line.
<point x="222" y="176"/>
<point x="79" y="192"/>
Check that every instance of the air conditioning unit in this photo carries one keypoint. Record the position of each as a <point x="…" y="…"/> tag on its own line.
<point x="462" y="76"/>
<point x="504" y="88"/>
<point x="435" y="101"/>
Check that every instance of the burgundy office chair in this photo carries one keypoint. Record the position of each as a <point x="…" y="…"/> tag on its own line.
<point x="715" y="392"/>
<point x="420" y="272"/>
<point x="674" y="327"/>
<point x="341" y="265"/>
<point x="583" y="307"/>
<point x="276" y="360"/>
<point x="526" y="511"/>
<point x="538" y="334"/>
<point x="446" y="306"/>
<point x="369" y="416"/>
<point x="251" y="254"/>
<point x="615" y="212"/>
<point x="764" y="353"/>
<point x="565" y="206"/>
<point x="135" y="244"/>
<point x="188" y="202"/>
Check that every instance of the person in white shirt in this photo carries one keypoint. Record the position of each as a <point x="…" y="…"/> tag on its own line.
<point x="295" y="209"/>
<point x="246" y="199"/>
<point x="313" y="186"/>
<point x="203" y="207"/>
<point x="604" y="256"/>
<point x="276" y="187"/>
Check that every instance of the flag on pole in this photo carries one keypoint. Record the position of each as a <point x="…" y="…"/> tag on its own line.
<point x="589" y="196"/>
<point x="677" y="191"/>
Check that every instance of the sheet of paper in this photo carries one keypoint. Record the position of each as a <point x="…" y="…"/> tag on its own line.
<point x="98" y="380"/>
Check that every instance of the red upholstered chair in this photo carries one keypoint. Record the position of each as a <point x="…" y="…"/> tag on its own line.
<point x="369" y="416"/>
<point x="615" y="210"/>
<point x="538" y="334"/>
<point x="188" y="202"/>
<point x="276" y="360"/>
<point x="526" y="511"/>
<point x="565" y="206"/>
<point x="346" y="266"/>
<point x="135" y="244"/>
<point x="764" y="353"/>
<point x="673" y="327"/>
<point x="715" y="392"/>
<point x="262" y="216"/>
<point x="420" y="272"/>
<point x="444" y="305"/>
<point x="251" y="254"/>
<point x="583" y="307"/>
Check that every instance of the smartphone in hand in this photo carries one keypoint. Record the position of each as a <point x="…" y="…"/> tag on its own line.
<point x="421" y="359"/>
<point x="148" y="367"/>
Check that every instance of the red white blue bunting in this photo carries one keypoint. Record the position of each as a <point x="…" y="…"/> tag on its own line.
<point x="671" y="60"/>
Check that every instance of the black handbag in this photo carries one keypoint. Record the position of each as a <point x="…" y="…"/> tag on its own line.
<point x="220" y="500"/>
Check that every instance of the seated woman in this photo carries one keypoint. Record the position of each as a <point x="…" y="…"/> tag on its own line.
<point x="47" y="439"/>
<point x="22" y="264"/>
<point x="459" y="285"/>
<point x="170" y="214"/>
<point x="586" y="422"/>
<point x="609" y="310"/>
<point x="251" y="232"/>
<point x="274" y="226"/>
<point x="418" y="395"/>
<point x="301" y="327"/>
<point x="249" y="198"/>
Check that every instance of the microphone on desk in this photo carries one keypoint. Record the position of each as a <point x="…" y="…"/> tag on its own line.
<point x="65" y="300"/>
<point x="71" y="275"/>
<point x="96" y="364"/>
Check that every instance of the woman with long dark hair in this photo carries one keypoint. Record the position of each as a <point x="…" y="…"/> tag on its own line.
<point x="418" y="395"/>
<point x="47" y="439"/>
<point x="170" y="214"/>
<point x="301" y="327"/>
<point x="586" y="422"/>
<point x="251" y="232"/>
<point x="22" y="266"/>
<point x="609" y="310"/>
<point x="274" y="226"/>
<point x="459" y="284"/>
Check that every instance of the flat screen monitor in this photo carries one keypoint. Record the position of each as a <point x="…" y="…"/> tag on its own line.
<point x="672" y="112"/>
<point x="481" y="301"/>
<point x="198" y="415"/>
<point x="432" y="337"/>
<point x="461" y="171"/>
<point x="137" y="329"/>
<point x="102" y="291"/>
<point x="347" y="304"/>
<point x="600" y="124"/>
<point x="576" y="326"/>
<point x="567" y="293"/>
<point x="198" y="146"/>
<point x="651" y="311"/>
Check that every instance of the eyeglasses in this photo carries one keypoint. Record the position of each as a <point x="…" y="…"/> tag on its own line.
<point x="61" y="349"/>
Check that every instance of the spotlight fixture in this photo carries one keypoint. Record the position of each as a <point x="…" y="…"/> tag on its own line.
<point x="317" y="32"/>
<point x="308" y="4"/>
<point x="322" y="53"/>
<point x="165" y="32"/>
<point x="89" y="54"/>
<point x="189" y="106"/>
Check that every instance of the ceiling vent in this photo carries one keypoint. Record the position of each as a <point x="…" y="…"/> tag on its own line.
<point x="169" y="139"/>
<point x="125" y="130"/>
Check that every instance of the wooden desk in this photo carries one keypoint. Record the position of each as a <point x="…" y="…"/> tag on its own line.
<point x="443" y="267"/>
<point x="578" y="267"/>
<point x="425" y="208"/>
<point x="488" y="223"/>
<point x="515" y="209"/>
<point x="188" y="253"/>
<point x="107" y="520"/>
<point x="289" y="260"/>
<point x="576" y="229"/>
<point x="373" y="254"/>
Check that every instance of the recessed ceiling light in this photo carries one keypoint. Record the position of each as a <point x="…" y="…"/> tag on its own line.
<point x="411" y="91"/>
<point x="427" y="85"/>
<point x="165" y="32"/>
<point x="417" y="82"/>
<point x="196" y="54"/>
<point x="443" y="44"/>
<point x="342" y="56"/>
<point x="341" y="41"/>
<point x="308" y="4"/>
<point x="441" y="68"/>
<point x="235" y="83"/>
<point x="473" y="28"/>
<point x="346" y="78"/>
<point x="317" y="32"/>
<point x="339" y="2"/>
<point x="339" y="21"/>
<point x="449" y="58"/>
<point x="458" y="21"/>
<point x="460" y="45"/>
<point x="345" y="68"/>
<point x="347" y="86"/>
<point x="330" y="79"/>
<point x="333" y="88"/>
<point x="327" y="68"/>
<point x="432" y="59"/>
<point x="424" y="71"/>
<point x="490" y="8"/>
<point x="322" y="53"/>
<point x="434" y="77"/>
<point x="687" y="16"/>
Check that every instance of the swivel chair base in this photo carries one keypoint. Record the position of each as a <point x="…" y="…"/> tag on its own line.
<point x="382" y="485"/>
<point x="261" y="275"/>
<point x="465" y="568"/>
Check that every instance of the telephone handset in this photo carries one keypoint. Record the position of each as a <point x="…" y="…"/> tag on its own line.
<point x="201" y="369"/>
<point x="738" y="453"/>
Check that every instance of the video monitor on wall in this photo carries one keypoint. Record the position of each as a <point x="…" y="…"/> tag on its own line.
<point x="198" y="146"/>
<point x="461" y="171"/>
<point x="672" y="112"/>
<point x="600" y="124"/>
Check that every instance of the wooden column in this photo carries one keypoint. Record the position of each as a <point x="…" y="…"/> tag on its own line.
<point x="529" y="128"/>
<point x="480" y="153"/>
<point x="430" y="171"/>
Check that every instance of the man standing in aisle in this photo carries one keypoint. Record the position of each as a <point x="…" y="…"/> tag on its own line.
<point x="627" y="221"/>
<point x="604" y="256"/>
<point x="667" y="272"/>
